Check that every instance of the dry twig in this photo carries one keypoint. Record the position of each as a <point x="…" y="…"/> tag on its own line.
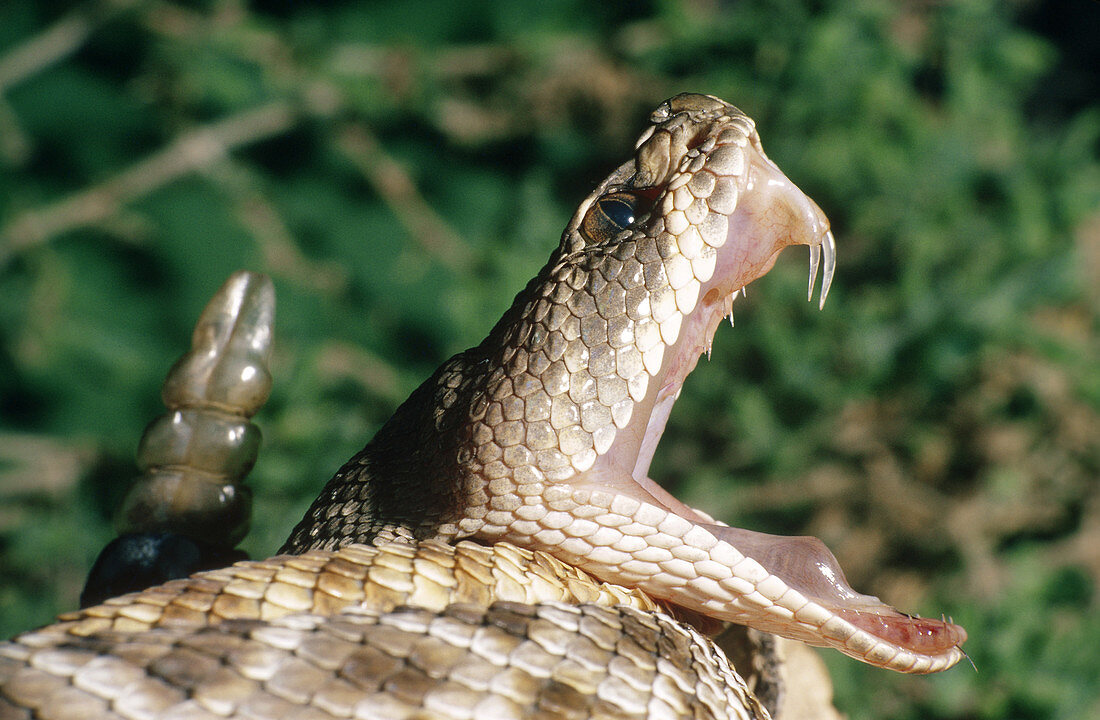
<point x="191" y="151"/>
<point x="396" y="187"/>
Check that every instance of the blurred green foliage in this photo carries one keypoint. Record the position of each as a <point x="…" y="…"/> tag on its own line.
<point x="401" y="169"/>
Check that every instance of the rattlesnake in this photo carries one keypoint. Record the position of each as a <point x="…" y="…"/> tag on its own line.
<point x="498" y="550"/>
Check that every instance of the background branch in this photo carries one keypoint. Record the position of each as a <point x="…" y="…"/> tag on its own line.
<point x="189" y="152"/>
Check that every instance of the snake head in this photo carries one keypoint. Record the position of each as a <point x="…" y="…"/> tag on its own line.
<point x="592" y="358"/>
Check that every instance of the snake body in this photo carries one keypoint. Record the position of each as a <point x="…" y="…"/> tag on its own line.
<point x="498" y="550"/>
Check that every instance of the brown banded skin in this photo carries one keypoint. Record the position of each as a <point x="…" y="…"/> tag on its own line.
<point x="540" y="438"/>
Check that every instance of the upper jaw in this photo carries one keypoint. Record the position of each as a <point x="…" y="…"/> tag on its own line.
<point x="772" y="214"/>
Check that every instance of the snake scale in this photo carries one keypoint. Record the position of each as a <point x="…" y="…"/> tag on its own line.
<point x="498" y="549"/>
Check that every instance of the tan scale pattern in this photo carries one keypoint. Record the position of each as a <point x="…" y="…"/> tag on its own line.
<point x="508" y="660"/>
<point x="380" y="578"/>
<point x="390" y="631"/>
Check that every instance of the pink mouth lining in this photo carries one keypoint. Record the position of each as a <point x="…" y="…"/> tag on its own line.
<point x="807" y="566"/>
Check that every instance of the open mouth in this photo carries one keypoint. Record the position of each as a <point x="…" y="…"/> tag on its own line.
<point x="604" y="514"/>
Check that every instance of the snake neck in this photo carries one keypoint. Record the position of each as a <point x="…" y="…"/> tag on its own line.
<point x="417" y="477"/>
<point x="407" y="479"/>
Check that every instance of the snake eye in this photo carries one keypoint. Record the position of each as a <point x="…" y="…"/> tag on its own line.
<point x="610" y="215"/>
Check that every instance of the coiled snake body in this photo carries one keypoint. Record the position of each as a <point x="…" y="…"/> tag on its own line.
<point x="498" y="550"/>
